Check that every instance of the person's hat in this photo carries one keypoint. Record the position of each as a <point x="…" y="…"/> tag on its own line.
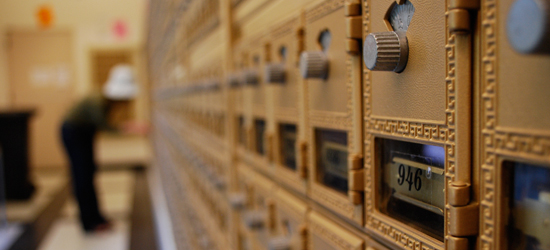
<point x="121" y="84"/>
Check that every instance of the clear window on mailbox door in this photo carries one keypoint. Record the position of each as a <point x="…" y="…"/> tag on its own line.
<point x="332" y="158"/>
<point x="412" y="184"/>
<point x="527" y="201"/>
<point x="259" y="130"/>
<point x="288" y="145"/>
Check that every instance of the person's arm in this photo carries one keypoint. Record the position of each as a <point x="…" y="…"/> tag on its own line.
<point x="99" y="111"/>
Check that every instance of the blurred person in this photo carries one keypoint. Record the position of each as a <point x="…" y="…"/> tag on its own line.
<point x="78" y="131"/>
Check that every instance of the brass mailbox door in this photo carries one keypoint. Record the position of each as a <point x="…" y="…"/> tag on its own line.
<point x="333" y="109"/>
<point x="254" y="96"/>
<point x="243" y="239"/>
<point x="290" y="222"/>
<point x="515" y="126"/>
<point x="327" y="235"/>
<point x="241" y="101"/>
<point x="417" y="86"/>
<point x="214" y="104"/>
<point x="283" y="85"/>
<point x="256" y="216"/>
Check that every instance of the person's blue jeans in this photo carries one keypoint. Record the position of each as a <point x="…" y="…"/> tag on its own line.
<point x="79" y="144"/>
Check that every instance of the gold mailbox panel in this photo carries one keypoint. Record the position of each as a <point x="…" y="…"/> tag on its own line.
<point x="285" y="87"/>
<point x="258" y="215"/>
<point x="333" y="109"/>
<point x="256" y="87"/>
<point x="255" y="105"/>
<point x="327" y="235"/>
<point x="236" y="93"/>
<point x="515" y="128"/>
<point x="353" y="124"/>
<point x="290" y="221"/>
<point x="418" y="92"/>
<point x="418" y="130"/>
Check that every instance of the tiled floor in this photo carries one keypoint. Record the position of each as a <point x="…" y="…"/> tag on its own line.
<point x="115" y="194"/>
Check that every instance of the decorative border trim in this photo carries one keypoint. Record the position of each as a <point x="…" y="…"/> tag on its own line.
<point x="258" y="111"/>
<point x="488" y="119"/>
<point x="527" y="146"/>
<point x="412" y="130"/>
<point x="328" y="236"/>
<point x="323" y="9"/>
<point x="333" y="120"/>
<point x="287" y="115"/>
<point x="290" y="178"/>
<point x="291" y="206"/>
<point x="285" y="28"/>
<point x="326" y="197"/>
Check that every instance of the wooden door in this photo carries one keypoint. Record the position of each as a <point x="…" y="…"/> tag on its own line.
<point x="41" y="77"/>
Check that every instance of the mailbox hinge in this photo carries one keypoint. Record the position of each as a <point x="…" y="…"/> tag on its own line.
<point x="459" y="14"/>
<point x="270" y="147"/>
<point x="463" y="224"/>
<point x="300" y="42"/>
<point x="356" y="179"/>
<point x="304" y="236"/>
<point x="302" y="160"/>
<point x="271" y="215"/>
<point x="250" y="138"/>
<point x="464" y="213"/>
<point x="354" y="27"/>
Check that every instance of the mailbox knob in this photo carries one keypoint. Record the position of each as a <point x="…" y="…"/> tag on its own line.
<point x="237" y="200"/>
<point x="275" y="73"/>
<point x="279" y="243"/>
<point x="233" y="80"/>
<point x="254" y="219"/>
<point x="527" y="26"/>
<point x="250" y="77"/>
<point x="386" y="51"/>
<point x="314" y="64"/>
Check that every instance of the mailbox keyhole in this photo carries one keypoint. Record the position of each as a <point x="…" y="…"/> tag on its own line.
<point x="282" y="53"/>
<point x="325" y="39"/>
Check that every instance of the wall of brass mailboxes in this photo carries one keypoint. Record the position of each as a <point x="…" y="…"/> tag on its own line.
<point x="374" y="124"/>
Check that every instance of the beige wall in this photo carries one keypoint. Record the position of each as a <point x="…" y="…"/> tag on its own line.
<point x="89" y="20"/>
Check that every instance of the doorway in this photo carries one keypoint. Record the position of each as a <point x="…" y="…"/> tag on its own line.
<point x="41" y="77"/>
<point x="102" y="61"/>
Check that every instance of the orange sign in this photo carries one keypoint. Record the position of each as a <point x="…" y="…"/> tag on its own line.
<point x="45" y="16"/>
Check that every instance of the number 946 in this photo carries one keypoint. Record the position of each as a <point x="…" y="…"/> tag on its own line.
<point x="406" y="175"/>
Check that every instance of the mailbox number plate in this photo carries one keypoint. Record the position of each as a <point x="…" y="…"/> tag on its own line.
<point x="412" y="184"/>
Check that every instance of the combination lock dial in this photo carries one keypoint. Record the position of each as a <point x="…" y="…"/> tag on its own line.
<point x="389" y="51"/>
<point x="275" y="73"/>
<point x="314" y="64"/>
<point x="279" y="243"/>
<point x="250" y="77"/>
<point x="386" y="51"/>
<point x="528" y="26"/>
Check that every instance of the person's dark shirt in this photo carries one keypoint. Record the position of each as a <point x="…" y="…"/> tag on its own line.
<point x="91" y="111"/>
